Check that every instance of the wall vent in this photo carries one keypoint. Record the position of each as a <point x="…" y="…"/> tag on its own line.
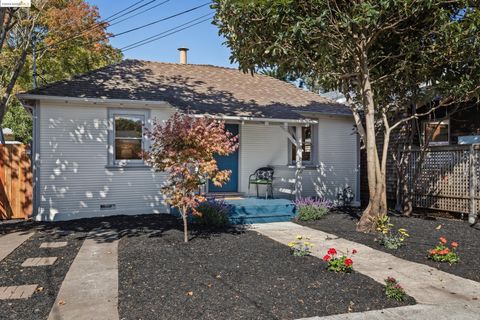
<point x="107" y="206"/>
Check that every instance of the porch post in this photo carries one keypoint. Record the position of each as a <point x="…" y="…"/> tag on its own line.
<point x="473" y="215"/>
<point x="298" y="162"/>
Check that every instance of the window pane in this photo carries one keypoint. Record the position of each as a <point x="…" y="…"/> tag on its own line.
<point x="128" y="126"/>
<point x="128" y="149"/>
<point x="437" y="133"/>
<point x="307" y="145"/>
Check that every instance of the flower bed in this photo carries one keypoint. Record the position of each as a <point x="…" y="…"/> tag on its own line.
<point x="424" y="234"/>
<point x="234" y="275"/>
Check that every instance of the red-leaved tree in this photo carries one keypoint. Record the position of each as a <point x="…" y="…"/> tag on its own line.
<point x="184" y="147"/>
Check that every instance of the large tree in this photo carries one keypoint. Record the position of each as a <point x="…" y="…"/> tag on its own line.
<point x="384" y="55"/>
<point x="69" y="38"/>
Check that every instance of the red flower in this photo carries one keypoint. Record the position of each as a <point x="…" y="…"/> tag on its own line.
<point x="332" y="251"/>
<point x="354" y="251"/>
<point x="391" y="279"/>
<point x="326" y="257"/>
<point x="348" y="262"/>
<point x="433" y="251"/>
<point x="454" y="244"/>
<point x="443" y="240"/>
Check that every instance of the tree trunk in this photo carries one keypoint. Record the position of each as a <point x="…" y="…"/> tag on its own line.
<point x="11" y="84"/>
<point x="377" y="204"/>
<point x="185" y="224"/>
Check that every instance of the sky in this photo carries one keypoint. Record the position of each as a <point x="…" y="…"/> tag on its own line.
<point x="203" y="40"/>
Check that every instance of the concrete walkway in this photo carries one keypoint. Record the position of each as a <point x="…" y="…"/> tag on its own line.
<point x="90" y="288"/>
<point x="11" y="241"/>
<point x="429" y="286"/>
<point x="419" y="311"/>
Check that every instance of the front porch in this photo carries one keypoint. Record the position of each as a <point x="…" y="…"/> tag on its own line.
<point x="248" y="210"/>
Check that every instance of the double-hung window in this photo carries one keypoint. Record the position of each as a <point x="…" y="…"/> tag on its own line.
<point x="307" y="140"/>
<point x="128" y="136"/>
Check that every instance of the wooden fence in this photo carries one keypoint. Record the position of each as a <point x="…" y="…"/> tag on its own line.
<point x="447" y="178"/>
<point x="16" y="182"/>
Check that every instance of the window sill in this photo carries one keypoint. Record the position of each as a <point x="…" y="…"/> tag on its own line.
<point x="293" y="167"/>
<point x="130" y="167"/>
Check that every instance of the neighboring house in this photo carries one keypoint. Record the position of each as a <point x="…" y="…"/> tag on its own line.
<point x="88" y="132"/>
<point x="447" y="179"/>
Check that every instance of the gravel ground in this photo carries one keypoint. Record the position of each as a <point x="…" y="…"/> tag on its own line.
<point x="48" y="278"/>
<point x="424" y="234"/>
<point x="232" y="275"/>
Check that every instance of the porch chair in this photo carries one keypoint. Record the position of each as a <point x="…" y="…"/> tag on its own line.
<point x="262" y="176"/>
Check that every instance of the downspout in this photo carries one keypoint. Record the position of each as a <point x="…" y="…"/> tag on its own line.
<point x="33" y="154"/>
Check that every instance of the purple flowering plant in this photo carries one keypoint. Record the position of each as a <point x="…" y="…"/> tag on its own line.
<point x="312" y="208"/>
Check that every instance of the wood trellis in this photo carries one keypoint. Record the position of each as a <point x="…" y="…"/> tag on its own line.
<point x="447" y="178"/>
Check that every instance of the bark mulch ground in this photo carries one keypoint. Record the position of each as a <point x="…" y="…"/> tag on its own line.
<point x="234" y="274"/>
<point x="48" y="278"/>
<point x="424" y="235"/>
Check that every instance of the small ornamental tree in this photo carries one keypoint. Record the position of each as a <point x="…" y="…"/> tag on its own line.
<point x="184" y="147"/>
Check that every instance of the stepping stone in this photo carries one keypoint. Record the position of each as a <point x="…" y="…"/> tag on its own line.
<point x="11" y="241"/>
<point x="51" y="245"/>
<point x="39" y="261"/>
<point x="17" y="292"/>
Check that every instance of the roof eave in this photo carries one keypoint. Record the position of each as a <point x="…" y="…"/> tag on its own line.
<point x="256" y="119"/>
<point x="28" y="96"/>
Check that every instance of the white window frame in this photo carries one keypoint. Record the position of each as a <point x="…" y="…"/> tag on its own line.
<point x="313" y="151"/>
<point x="436" y="143"/>
<point x="112" y="113"/>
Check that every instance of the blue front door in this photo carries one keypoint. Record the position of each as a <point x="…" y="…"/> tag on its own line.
<point x="229" y="162"/>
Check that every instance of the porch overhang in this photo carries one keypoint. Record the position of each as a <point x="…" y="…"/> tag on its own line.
<point x="245" y="119"/>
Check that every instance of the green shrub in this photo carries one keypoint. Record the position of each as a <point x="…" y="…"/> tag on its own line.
<point x="312" y="208"/>
<point x="309" y="212"/>
<point x="213" y="214"/>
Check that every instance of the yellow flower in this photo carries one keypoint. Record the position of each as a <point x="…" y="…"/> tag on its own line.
<point x="292" y="244"/>
<point x="299" y="237"/>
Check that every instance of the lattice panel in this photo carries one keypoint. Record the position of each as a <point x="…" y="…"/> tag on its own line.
<point x="443" y="182"/>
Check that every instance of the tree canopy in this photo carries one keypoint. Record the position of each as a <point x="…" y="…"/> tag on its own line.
<point x="70" y="38"/>
<point x="384" y="55"/>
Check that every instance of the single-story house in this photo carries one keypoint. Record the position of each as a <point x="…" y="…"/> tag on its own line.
<point x="88" y="131"/>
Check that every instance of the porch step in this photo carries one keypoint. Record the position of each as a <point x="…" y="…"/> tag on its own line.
<point x="225" y="195"/>
<point x="254" y="210"/>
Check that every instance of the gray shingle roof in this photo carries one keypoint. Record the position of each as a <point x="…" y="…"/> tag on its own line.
<point x="201" y="89"/>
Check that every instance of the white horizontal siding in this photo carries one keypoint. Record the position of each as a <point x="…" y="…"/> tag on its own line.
<point x="337" y="156"/>
<point x="260" y="146"/>
<point x="336" y="148"/>
<point x="73" y="178"/>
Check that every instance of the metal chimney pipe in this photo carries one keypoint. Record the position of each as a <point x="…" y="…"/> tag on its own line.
<point x="183" y="55"/>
